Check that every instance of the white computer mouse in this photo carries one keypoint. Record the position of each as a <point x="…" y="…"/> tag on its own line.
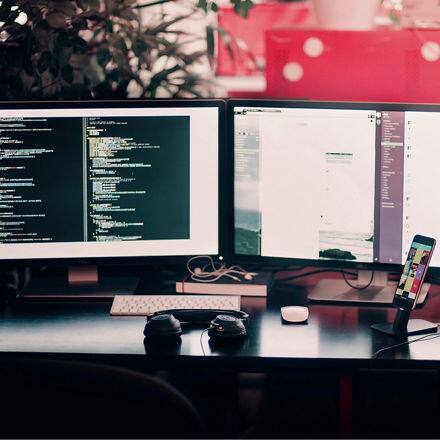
<point x="295" y="313"/>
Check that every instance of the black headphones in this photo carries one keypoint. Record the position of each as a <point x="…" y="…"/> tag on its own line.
<point x="223" y="325"/>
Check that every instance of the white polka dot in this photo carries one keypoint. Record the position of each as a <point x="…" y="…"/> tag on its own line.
<point x="313" y="47"/>
<point x="430" y="51"/>
<point x="260" y="61"/>
<point x="293" y="71"/>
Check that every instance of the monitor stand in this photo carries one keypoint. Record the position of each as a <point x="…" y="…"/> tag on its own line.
<point x="403" y="326"/>
<point x="81" y="282"/>
<point x="380" y="291"/>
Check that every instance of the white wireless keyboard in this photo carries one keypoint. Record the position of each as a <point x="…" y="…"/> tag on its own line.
<point x="143" y="305"/>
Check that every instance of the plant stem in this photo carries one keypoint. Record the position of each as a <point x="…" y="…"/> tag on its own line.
<point x="146" y="5"/>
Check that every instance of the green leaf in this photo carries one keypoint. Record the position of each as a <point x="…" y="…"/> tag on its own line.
<point x="88" y="4"/>
<point x="192" y="57"/>
<point x="203" y="4"/>
<point x="62" y="39"/>
<point x="242" y="7"/>
<point x="92" y="15"/>
<point x="103" y="56"/>
<point x="44" y="61"/>
<point x="12" y="16"/>
<point x="226" y="39"/>
<point x="64" y="55"/>
<point x="161" y="76"/>
<point x="67" y="73"/>
<point x="121" y="45"/>
<point x="139" y="46"/>
<point x="28" y="65"/>
<point x="66" y="7"/>
<point x="210" y="42"/>
<point x="128" y="14"/>
<point x="80" y="23"/>
<point x="165" y="24"/>
<point x="54" y="67"/>
<point x="15" y="31"/>
<point x="113" y="75"/>
<point x="109" y="26"/>
<point x="94" y="72"/>
<point x="214" y="7"/>
<point x="5" y="9"/>
<point x="77" y="60"/>
<point x="13" y="59"/>
<point x="56" y="19"/>
<point x="54" y="71"/>
<point x="79" y="44"/>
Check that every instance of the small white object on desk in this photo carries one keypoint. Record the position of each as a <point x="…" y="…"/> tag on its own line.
<point x="205" y="276"/>
<point x="143" y="305"/>
<point x="295" y="313"/>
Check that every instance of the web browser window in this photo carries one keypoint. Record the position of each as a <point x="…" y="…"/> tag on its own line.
<point x="338" y="184"/>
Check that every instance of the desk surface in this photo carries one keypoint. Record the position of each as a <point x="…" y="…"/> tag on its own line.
<point x="335" y="336"/>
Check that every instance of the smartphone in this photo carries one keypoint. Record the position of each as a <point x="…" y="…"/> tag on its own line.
<point x="414" y="272"/>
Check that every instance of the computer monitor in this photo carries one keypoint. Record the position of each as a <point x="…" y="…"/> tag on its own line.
<point x="109" y="182"/>
<point x="334" y="184"/>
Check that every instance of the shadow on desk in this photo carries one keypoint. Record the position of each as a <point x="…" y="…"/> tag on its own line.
<point x="51" y="398"/>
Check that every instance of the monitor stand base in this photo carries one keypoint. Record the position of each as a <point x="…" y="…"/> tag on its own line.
<point x="380" y="292"/>
<point x="414" y="327"/>
<point x="403" y="326"/>
<point x="81" y="283"/>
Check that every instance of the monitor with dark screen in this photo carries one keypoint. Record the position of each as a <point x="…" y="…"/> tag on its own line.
<point x="97" y="180"/>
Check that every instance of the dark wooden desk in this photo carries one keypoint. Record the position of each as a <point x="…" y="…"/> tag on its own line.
<point x="336" y="337"/>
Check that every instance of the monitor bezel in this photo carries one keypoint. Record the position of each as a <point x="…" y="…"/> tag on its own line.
<point x="289" y="103"/>
<point x="220" y="104"/>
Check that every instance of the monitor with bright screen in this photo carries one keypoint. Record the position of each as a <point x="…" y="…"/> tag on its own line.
<point x="344" y="183"/>
<point x="109" y="180"/>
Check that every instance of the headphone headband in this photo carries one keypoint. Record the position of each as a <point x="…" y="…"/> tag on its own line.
<point x="201" y="316"/>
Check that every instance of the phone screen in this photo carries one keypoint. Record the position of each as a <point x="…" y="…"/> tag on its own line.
<point x="413" y="272"/>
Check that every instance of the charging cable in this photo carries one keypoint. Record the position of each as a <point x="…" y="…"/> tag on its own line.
<point x="391" y="347"/>
<point x="210" y="271"/>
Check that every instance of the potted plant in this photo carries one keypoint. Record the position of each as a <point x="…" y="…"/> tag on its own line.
<point x="81" y="49"/>
<point x="345" y="14"/>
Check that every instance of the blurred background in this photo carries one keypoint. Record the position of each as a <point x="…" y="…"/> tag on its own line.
<point x="355" y="50"/>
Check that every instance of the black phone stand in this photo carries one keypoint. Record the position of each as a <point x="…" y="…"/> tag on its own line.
<point x="403" y="326"/>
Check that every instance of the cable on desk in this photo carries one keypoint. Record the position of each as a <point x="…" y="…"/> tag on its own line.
<point x="422" y="338"/>
<point x="313" y="272"/>
<point x="201" y="340"/>
<point x="357" y="287"/>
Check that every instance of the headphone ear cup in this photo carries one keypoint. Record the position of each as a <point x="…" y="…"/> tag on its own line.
<point x="226" y="327"/>
<point x="163" y="326"/>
